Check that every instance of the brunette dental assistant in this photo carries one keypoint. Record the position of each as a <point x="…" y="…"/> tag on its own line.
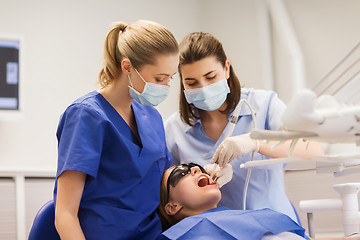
<point x="210" y="91"/>
<point x="111" y="149"/>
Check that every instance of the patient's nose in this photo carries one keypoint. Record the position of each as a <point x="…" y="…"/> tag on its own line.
<point x="195" y="170"/>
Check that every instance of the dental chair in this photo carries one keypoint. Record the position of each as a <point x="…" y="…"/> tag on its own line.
<point x="347" y="204"/>
<point x="43" y="226"/>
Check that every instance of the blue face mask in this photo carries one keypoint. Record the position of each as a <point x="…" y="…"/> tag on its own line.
<point x="152" y="95"/>
<point x="208" y="98"/>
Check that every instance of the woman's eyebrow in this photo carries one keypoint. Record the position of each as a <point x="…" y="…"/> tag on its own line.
<point x="208" y="73"/>
<point x="189" y="78"/>
<point x="166" y="74"/>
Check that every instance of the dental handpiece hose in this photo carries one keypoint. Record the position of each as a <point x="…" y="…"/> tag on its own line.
<point x="229" y="131"/>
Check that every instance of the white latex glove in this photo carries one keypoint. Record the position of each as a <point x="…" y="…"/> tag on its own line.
<point x="223" y="175"/>
<point x="233" y="147"/>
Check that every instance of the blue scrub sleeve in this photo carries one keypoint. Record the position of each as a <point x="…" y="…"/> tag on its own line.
<point x="80" y="136"/>
<point x="175" y="159"/>
<point x="169" y="159"/>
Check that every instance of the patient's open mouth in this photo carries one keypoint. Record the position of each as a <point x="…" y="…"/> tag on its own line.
<point x="203" y="181"/>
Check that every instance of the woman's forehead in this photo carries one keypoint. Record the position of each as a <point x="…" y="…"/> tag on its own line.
<point x="201" y="67"/>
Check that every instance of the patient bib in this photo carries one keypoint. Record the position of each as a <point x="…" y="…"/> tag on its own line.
<point x="223" y="223"/>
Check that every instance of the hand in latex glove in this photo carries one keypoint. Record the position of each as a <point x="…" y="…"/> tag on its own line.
<point x="233" y="147"/>
<point x="223" y="175"/>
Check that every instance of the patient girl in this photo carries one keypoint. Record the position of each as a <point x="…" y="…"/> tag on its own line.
<point x="188" y="210"/>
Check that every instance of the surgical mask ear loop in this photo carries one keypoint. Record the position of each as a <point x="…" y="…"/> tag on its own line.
<point x="139" y="76"/>
<point x="130" y="81"/>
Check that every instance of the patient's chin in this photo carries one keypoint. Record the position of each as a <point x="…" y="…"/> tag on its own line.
<point x="214" y="197"/>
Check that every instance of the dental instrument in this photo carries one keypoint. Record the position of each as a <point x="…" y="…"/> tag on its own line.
<point x="229" y="131"/>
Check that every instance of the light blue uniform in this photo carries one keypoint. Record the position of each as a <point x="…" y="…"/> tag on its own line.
<point x="266" y="187"/>
<point x="122" y="188"/>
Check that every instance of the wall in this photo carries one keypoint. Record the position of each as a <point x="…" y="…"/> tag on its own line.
<point x="326" y="31"/>
<point x="63" y="44"/>
<point x="63" y="50"/>
<point x="236" y="25"/>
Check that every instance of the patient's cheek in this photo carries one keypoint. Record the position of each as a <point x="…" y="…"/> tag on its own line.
<point x="186" y="192"/>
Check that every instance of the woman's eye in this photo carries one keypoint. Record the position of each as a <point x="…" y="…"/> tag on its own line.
<point x="192" y="84"/>
<point x="211" y="77"/>
<point x="159" y="80"/>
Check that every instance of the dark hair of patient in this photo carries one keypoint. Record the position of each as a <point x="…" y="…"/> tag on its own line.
<point x="166" y="220"/>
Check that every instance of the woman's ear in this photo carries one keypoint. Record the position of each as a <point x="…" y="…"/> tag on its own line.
<point x="172" y="208"/>
<point x="126" y="66"/>
<point x="227" y="68"/>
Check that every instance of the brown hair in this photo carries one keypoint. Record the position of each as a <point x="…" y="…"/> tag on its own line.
<point x="139" y="42"/>
<point x="166" y="220"/>
<point x="194" y="47"/>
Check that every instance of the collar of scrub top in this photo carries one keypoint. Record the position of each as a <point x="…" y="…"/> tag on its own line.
<point x="244" y="111"/>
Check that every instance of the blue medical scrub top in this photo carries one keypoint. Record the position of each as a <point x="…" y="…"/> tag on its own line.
<point x="223" y="223"/>
<point x="266" y="186"/>
<point x="122" y="188"/>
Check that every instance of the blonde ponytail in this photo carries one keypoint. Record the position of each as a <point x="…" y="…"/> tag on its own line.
<point x="112" y="58"/>
<point x="140" y="42"/>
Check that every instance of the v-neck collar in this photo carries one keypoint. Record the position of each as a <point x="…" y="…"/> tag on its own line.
<point x="139" y="126"/>
<point x="117" y="117"/>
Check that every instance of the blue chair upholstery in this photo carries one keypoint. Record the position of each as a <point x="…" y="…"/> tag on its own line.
<point x="43" y="227"/>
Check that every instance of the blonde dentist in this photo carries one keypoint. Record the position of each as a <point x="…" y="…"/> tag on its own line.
<point x="111" y="148"/>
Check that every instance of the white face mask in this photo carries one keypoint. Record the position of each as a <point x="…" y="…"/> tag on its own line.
<point x="152" y="95"/>
<point x="208" y="98"/>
